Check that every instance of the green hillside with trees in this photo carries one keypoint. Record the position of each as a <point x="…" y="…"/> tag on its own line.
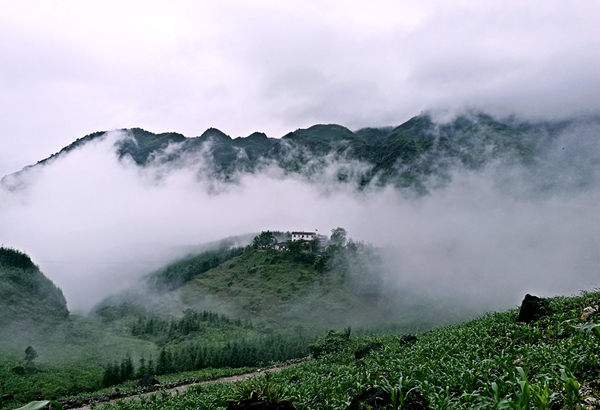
<point x="26" y="295"/>
<point x="288" y="285"/>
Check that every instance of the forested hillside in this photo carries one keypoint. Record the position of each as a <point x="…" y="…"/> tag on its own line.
<point x="303" y="285"/>
<point x="26" y="295"/>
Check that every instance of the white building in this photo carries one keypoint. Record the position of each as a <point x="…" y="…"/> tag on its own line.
<point x="303" y="236"/>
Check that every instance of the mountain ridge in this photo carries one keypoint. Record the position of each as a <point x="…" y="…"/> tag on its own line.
<point x="418" y="154"/>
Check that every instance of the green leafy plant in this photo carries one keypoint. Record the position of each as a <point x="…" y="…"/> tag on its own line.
<point x="41" y="404"/>
<point x="259" y="389"/>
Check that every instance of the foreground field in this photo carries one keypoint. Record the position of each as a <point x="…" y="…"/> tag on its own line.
<point x="490" y="362"/>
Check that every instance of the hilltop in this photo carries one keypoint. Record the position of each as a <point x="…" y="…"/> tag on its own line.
<point x="302" y="285"/>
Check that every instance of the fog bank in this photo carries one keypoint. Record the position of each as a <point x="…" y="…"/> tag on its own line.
<point x="94" y="224"/>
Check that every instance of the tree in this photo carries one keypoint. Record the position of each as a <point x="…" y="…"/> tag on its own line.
<point x="315" y="244"/>
<point x="30" y="355"/>
<point x="142" y="370"/>
<point x="300" y="251"/>
<point x="265" y="240"/>
<point x="127" y="369"/>
<point x="338" y="236"/>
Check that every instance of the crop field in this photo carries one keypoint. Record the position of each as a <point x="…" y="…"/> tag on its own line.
<point x="491" y="362"/>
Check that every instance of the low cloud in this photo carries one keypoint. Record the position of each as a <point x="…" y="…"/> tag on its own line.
<point x="94" y="223"/>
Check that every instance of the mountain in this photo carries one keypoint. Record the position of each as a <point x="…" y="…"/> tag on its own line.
<point x="26" y="295"/>
<point x="419" y="154"/>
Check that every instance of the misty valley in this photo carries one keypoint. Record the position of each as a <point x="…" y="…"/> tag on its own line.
<point x="165" y="260"/>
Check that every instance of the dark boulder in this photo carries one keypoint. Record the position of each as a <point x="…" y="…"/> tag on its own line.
<point x="532" y="308"/>
<point x="408" y="338"/>
<point x="18" y="370"/>
<point x="375" y="398"/>
<point x="147" y="380"/>
<point x="260" y="404"/>
<point x="366" y="349"/>
<point x="7" y="397"/>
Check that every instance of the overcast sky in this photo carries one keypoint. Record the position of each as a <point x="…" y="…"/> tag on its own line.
<point x="69" y="68"/>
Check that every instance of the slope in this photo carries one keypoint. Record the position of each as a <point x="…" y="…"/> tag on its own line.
<point x="26" y="295"/>
<point x="489" y="362"/>
<point x="298" y="287"/>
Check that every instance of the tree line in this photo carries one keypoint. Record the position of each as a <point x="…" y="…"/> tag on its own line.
<point x="191" y="322"/>
<point x="195" y="356"/>
<point x="13" y="258"/>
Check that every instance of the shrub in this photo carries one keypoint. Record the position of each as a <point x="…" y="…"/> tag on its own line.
<point x="332" y="342"/>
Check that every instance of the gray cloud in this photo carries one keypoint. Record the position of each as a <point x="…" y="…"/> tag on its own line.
<point x="94" y="224"/>
<point x="68" y="70"/>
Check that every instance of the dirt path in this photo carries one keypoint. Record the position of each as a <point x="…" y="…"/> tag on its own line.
<point x="73" y="405"/>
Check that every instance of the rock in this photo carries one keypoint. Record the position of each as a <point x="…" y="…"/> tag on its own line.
<point x="408" y="338"/>
<point x="366" y="349"/>
<point x="532" y="308"/>
<point x="147" y="380"/>
<point x="376" y="398"/>
<point x="370" y="398"/>
<point x="587" y="312"/>
<point x="260" y="404"/>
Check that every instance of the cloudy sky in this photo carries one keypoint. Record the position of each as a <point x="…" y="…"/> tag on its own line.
<point x="69" y="68"/>
<point x="94" y="224"/>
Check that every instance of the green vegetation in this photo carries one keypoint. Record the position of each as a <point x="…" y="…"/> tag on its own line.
<point x="12" y="258"/>
<point x="308" y="285"/>
<point x="41" y="404"/>
<point x="277" y="301"/>
<point x="188" y="357"/>
<point x="60" y="358"/>
<point x="143" y="144"/>
<point x="489" y="362"/>
<point x="265" y="240"/>
<point x="332" y="342"/>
